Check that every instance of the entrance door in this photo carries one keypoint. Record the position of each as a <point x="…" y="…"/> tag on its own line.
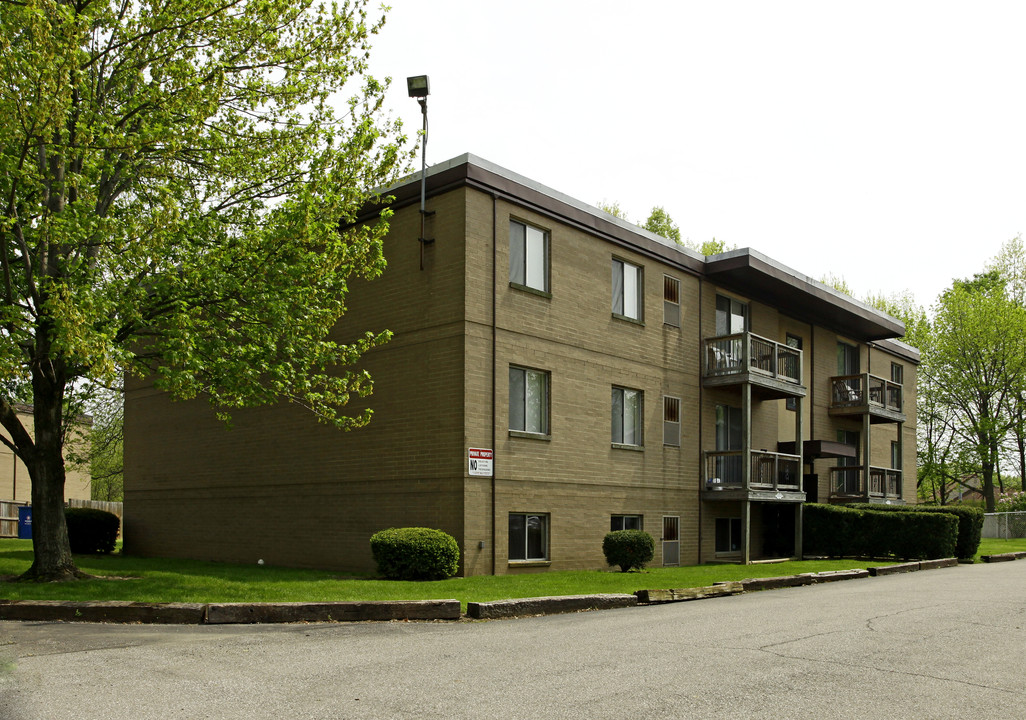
<point x="671" y="540"/>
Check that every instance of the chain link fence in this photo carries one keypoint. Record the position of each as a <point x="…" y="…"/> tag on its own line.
<point x="1004" y="525"/>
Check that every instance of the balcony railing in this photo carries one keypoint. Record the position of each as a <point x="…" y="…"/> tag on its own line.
<point x="769" y="471"/>
<point x="748" y="352"/>
<point x="865" y="390"/>
<point x="849" y="481"/>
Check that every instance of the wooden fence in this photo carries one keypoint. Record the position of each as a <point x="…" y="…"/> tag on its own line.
<point x="9" y="513"/>
<point x="9" y="518"/>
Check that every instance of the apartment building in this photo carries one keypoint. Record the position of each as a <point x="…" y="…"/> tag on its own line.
<point x="555" y="373"/>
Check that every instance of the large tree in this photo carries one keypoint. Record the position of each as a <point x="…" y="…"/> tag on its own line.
<point x="176" y="197"/>
<point x="975" y="362"/>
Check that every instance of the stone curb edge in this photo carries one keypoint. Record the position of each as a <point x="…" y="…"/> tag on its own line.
<point x="118" y="611"/>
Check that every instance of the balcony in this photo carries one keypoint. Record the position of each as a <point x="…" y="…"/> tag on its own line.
<point x="773" y="367"/>
<point x="866" y="394"/>
<point x="773" y="476"/>
<point x="847" y="484"/>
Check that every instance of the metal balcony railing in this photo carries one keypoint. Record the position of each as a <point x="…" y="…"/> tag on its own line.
<point x="748" y="352"/>
<point x="849" y="481"/>
<point x="769" y="471"/>
<point x="865" y="390"/>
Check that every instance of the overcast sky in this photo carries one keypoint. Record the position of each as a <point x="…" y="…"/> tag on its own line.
<point x="881" y="142"/>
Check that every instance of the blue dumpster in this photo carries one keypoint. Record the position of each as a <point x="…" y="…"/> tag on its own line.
<point x="24" y="523"/>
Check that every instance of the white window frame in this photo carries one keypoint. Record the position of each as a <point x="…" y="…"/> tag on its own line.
<point x="528" y="257"/>
<point x="627" y="408"/>
<point x="522" y="399"/>
<point x="513" y="546"/>
<point x="628" y="290"/>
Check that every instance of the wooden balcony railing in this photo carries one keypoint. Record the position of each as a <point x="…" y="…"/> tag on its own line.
<point x="748" y="352"/>
<point x="769" y="471"/>
<point x="849" y="481"/>
<point x="865" y="390"/>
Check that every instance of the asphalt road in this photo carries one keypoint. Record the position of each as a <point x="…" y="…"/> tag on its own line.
<point x="935" y="644"/>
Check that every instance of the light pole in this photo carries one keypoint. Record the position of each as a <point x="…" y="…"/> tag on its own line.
<point x="419" y="87"/>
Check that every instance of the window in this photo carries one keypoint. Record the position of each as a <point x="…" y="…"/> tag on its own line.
<point x="729" y="468"/>
<point x="671" y="421"/>
<point x="897" y="374"/>
<point x="848" y="480"/>
<point x="671" y="301"/>
<point x="528" y="536"/>
<point x="793" y="341"/>
<point x="627" y="409"/>
<point x="528" y="257"/>
<point x="624" y="522"/>
<point x="731" y="316"/>
<point x="528" y="401"/>
<point x="847" y="359"/>
<point x="728" y="535"/>
<point x="627" y="287"/>
<point x="895" y="455"/>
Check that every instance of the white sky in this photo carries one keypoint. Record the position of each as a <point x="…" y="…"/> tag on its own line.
<point x="882" y="142"/>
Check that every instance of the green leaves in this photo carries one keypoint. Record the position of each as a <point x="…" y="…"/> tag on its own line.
<point x="176" y="185"/>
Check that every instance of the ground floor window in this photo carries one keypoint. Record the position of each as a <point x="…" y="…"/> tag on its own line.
<point x="728" y="535"/>
<point x="528" y="536"/>
<point x="624" y="522"/>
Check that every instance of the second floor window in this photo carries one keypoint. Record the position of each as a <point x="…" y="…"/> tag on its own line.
<point x="528" y="256"/>
<point x="627" y="415"/>
<point x="528" y="401"/>
<point x="627" y="286"/>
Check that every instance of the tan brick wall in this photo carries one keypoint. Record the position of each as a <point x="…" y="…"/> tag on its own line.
<point x="15" y="483"/>
<point x="301" y="493"/>
<point x="575" y="475"/>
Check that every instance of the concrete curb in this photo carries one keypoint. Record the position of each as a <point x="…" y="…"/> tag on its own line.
<point x="1003" y="557"/>
<point x="225" y="613"/>
<point x="651" y="597"/>
<point x="114" y="611"/>
<point x="547" y="605"/>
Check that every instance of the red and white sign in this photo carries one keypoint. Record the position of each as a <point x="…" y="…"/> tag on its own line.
<point x="480" y="461"/>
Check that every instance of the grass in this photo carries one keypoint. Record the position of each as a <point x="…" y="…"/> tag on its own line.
<point x="166" y="580"/>
<point x="990" y="546"/>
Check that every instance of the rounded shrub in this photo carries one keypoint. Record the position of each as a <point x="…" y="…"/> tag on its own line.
<point x="91" y="531"/>
<point x="415" y="553"/>
<point x="628" y="548"/>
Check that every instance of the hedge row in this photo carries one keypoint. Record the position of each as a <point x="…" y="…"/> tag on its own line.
<point x="970" y="524"/>
<point x="868" y="532"/>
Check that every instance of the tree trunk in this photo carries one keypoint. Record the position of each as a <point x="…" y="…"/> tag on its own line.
<point x="988" y="487"/>
<point x="52" y="552"/>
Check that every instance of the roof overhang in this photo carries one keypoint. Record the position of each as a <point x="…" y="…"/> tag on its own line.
<point x="752" y="274"/>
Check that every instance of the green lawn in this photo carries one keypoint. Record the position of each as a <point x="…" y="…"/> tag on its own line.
<point x="159" y="580"/>
<point x="996" y="547"/>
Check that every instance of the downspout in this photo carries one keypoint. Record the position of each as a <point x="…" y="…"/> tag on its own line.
<point x="701" y="414"/>
<point x="495" y="223"/>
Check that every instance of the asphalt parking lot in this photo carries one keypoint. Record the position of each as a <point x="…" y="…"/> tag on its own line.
<point x="935" y="644"/>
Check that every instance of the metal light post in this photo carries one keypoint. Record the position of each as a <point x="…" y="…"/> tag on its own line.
<point x="419" y="86"/>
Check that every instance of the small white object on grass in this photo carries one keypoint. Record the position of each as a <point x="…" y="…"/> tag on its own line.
<point x="260" y="561"/>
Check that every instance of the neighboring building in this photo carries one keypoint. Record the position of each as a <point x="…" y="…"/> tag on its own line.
<point x="16" y="486"/>
<point x="621" y="380"/>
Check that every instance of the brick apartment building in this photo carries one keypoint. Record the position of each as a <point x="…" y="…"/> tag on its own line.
<point x="620" y="380"/>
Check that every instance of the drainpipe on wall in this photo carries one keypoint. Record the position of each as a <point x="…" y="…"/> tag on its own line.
<point x="495" y="223"/>
<point x="701" y="412"/>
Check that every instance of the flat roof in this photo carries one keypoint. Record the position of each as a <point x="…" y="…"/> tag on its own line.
<point x="745" y="271"/>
